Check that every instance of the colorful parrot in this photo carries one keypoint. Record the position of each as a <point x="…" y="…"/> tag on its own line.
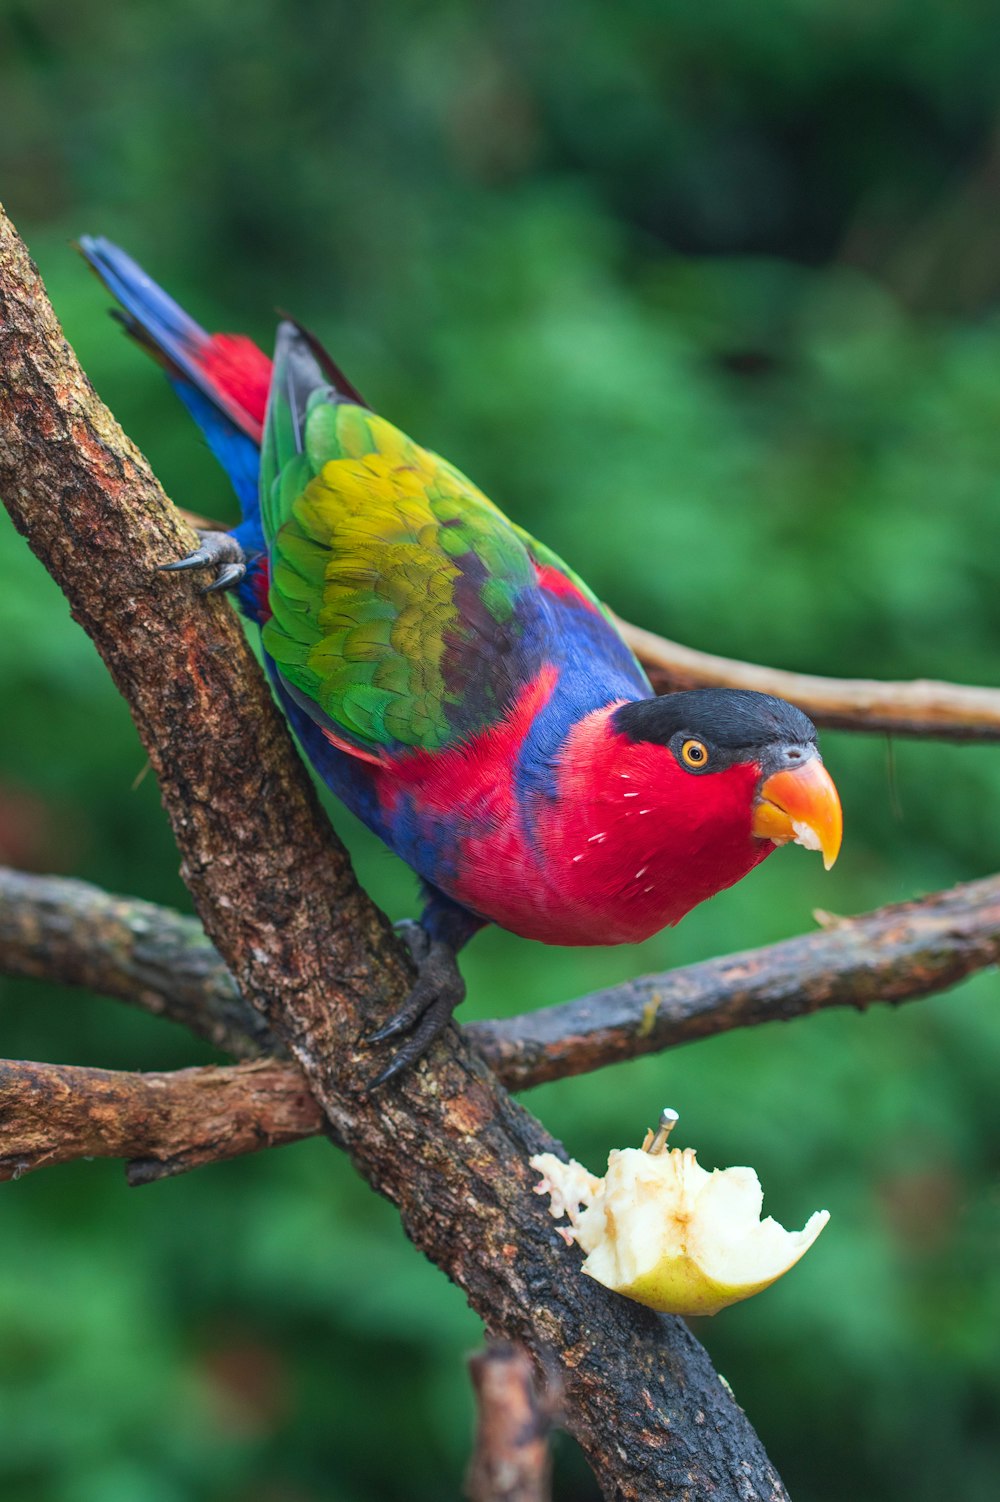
<point x="456" y="685"/>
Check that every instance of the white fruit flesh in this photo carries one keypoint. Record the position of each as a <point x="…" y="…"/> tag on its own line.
<point x="660" y="1229"/>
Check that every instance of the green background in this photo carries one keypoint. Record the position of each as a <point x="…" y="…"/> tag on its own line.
<point x="707" y="297"/>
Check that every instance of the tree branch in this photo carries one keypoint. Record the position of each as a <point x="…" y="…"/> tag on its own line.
<point x="276" y="895"/>
<point x="895" y="954"/>
<point x="510" y="1462"/>
<point x="162" y="1124"/>
<point x="898" y="953"/>
<point x="920" y="707"/>
<point x="947" y="711"/>
<point x="58" y="929"/>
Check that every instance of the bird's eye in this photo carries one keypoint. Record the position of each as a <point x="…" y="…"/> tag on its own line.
<point x="694" y="754"/>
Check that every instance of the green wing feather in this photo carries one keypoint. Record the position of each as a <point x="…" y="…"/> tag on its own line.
<point x="395" y="584"/>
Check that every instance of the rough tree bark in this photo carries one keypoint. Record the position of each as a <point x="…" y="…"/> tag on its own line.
<point x="276" y="895"/>
<point x="162" y="1124"/>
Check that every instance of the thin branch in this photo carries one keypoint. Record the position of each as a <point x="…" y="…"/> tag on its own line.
<point x="923" y="707"/>
<point x="162" y="1124"/>
<point x="510" y="1462"/>
<point x="897" y="953"/>
<point x="277" y="897"/>
<point x="57" y="929"/>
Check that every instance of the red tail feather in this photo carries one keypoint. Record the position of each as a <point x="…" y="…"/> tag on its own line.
<point x="234" y="364"/>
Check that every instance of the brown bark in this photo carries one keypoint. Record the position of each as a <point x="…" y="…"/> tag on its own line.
<point x="923" y="707"/>
<point x="277" y="897"/>
<point x="510" y="1462"/>
<point x="162" y="1124"/>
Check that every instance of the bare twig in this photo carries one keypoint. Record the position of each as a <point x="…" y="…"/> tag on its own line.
<point x="162" y="1124"/>
<point x="947" y="711"/>
<point x="510" y="1462"/>
<point x="276" y="895"/>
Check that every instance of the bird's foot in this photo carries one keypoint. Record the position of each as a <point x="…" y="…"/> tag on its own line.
<point x="218" y="550"/>
<point x="427" y="1010"/>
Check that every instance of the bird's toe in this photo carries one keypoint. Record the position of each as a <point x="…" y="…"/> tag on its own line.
<point x="218" y="550"/>
<point x="437" y="991"/>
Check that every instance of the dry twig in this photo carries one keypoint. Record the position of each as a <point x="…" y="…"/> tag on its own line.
<point x="923" y="707"/>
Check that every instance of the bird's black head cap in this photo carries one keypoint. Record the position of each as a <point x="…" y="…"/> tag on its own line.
<point x="729" y="719"/>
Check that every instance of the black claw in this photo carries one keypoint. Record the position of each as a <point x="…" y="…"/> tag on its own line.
<point x="427" y="1010"/>
<point x="198" y="559"/>
<point x="228" y="575"/>
<point x="432" y="1024"/>
<point x="218" y="550"/>
<point x="401" y="1023"/>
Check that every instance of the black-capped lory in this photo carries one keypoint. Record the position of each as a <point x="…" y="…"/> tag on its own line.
<point x="456" y="684"/>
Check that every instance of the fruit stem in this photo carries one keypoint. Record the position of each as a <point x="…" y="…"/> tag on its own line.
<point x="657" y="1141"/>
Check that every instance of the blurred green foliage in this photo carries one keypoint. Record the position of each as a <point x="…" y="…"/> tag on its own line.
<point x="707" y="298"/>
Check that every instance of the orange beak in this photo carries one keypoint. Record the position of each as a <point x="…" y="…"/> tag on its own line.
<point x="801" y="805"/>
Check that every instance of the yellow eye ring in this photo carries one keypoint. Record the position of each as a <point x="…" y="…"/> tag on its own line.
<point x="694" y="754"/>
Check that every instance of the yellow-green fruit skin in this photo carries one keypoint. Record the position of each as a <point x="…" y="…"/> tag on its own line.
<point x="677" y="1285"/>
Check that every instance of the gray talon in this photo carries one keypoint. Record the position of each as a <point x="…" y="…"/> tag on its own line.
<point x="228" y="575"/>
<point x="415" y="937"/>
<point x="218" y="550"/>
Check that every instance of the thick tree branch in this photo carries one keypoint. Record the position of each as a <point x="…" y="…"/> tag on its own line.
<point x="947" y="711"/>
<point x="58" y="929"/>
<point x="277" y="897"/>
<point x="162" y="1124"/>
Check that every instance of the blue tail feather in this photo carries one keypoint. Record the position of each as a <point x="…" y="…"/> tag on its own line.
<point x="171" y="330"/>
<point x="153" y="318"/>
